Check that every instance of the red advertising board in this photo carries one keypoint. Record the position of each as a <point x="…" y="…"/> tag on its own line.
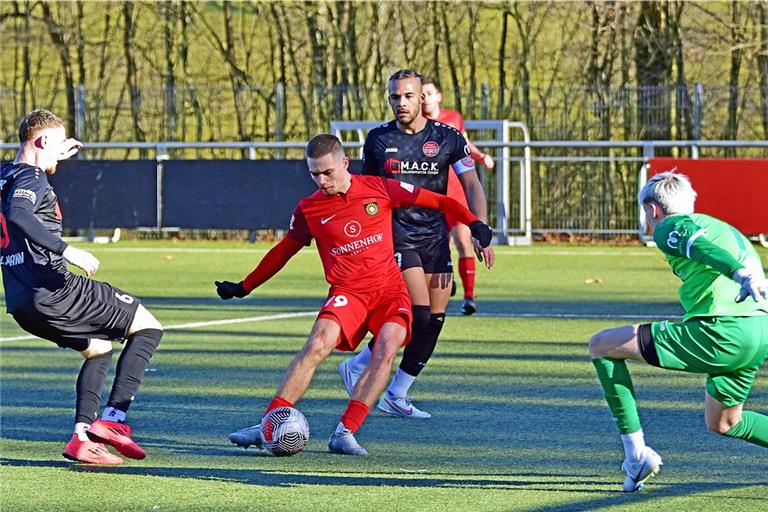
<point x="733" y="190"/>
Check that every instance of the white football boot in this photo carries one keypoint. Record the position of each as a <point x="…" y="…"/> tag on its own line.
<point x="348" y="375"/>
<point x="344" y="442"/>
<point x="246" y="437"/>
<point x="639" y="471"/>
<point x="401" y="407"/>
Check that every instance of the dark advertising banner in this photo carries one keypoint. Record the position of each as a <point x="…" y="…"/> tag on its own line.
<point x="233" y="194"/>
<point x="96" y="194"/>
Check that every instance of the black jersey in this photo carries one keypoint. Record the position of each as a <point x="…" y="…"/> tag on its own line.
<point x="423" y="159"/>
<point x="31" y="272"/>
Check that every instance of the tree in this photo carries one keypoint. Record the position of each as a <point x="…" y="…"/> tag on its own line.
<point x="653" y="60"/>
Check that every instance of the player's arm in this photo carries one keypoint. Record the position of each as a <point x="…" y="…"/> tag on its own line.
<point x="25" y="197"/>
<point x="298" y="236"/>
<point x="477" y="155"/>
<point x="686" y="239"/>
<point x="405" y="195"/>
<point x="270" y="265"/>
<point x="464" y="167"/>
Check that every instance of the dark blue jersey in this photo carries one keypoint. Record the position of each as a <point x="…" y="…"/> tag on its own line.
<point x="30" y="236"/>
<point x="423" y="159"/>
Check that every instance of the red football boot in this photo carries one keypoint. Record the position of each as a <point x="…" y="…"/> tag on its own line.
<point x="90" y="452"/>
<point x="116" y="434"/>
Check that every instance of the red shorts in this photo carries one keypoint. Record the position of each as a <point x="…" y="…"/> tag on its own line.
<point x="358" y="314"/>
<point x="455" y="191"/>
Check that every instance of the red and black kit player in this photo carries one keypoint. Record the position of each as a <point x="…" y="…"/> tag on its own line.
<point x="350" y="218"/>
<point x="73" y="311"/>
<point x="421" y="152"/>
<point x="432" y="109"/>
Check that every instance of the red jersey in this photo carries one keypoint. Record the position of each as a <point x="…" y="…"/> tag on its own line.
<point x="353" y="231"/>
<point x="451" y="118"/>
<point x="455" y="190"/>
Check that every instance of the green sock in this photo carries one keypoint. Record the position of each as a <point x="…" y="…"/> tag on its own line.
<point x="753" y="428"/>
<point x="619" y="393"/>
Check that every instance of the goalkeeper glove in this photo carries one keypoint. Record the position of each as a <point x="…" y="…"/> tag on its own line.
<point x="752" y="284"/>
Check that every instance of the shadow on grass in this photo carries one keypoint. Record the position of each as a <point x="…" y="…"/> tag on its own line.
<point x="604" y="494"/>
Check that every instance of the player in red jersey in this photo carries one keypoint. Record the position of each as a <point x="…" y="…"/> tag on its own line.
<point x="431" y="109"/>
<point x="350" y="218"/>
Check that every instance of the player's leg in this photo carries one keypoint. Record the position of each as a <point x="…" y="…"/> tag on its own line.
<point x="297" y="378"/>
<point x="462" y="238"/>
<point x="389" y="338"/>
<point x="427" y="325"/>
<point x="144" y="336"/>
<point x="410" y="264"/>
<point x="321" y="342"/>
<point x="395" y="400"/>
<point x="723" y="407"/>
<point x="90" y="384"/>
<point x="735" y="422"/>
<point x="609" y="350"/>
<point x="90" y="380"/>
<point x="123" y="317"/>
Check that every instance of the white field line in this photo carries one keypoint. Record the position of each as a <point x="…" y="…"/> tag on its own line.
<point x="280" y="316"/>
<point x="497" y="250"/>
<point x="206" y="324"/>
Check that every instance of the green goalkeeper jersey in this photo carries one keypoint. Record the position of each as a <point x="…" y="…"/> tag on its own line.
<point x="704" y="252"/>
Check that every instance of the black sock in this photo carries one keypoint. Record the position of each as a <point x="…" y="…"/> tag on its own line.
<point x="421" y="343"/>
<point x="436" y="322"/>
<point x="131" y="366"/>
<point x="90" y="386"/>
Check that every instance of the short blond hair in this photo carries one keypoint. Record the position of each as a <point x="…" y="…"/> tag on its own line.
<point x="36" y="121"/>
<point x="672" y="191"/>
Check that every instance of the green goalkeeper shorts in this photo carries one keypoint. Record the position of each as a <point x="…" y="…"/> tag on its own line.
<point x="728" y="349"/>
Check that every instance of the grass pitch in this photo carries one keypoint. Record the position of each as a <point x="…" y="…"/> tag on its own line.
<point x="519" y="421"/>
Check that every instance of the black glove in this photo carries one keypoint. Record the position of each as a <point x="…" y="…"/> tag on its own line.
<point x="228" y="289"/>
<point x="482" y="232"/>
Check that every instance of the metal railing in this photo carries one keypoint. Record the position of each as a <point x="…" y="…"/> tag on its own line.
<point x="541" y="187"/>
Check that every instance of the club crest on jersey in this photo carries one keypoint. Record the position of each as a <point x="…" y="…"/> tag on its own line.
<point x="372" y="208"/>
<point x="430" y="148"/>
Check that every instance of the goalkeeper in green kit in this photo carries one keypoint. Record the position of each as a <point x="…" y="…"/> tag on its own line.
<point x="724" y="333"/>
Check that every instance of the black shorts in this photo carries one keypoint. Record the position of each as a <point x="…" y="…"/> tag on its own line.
<point x="647" y="345"/>
<point x="82" y="310"/>
<point x="434" y="258"/>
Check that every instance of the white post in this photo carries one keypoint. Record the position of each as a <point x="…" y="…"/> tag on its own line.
<point x="502" y="189"/>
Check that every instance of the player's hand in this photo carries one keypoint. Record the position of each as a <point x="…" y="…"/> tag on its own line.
<point x="752" y="283"/>
<point x="228" y="289"/>
<point x="82" y="259"/>
<point x="488" y="161"/>
<point x="484" y="254"/>
<point x="69" y="148"/>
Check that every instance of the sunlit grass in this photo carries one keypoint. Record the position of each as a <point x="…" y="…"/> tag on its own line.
<point x="519" y="421"/>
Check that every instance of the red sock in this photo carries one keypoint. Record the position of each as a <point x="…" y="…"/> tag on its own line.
<point x="355" y="415"/>
<point x="467" y="273"/>
<point x="277" y="402"/>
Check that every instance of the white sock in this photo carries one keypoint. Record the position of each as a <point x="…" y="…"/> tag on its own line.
<point x="633" y="444"/>
<point x="80" y="429"/>
<point x="361" y="360"/>
<point x="340" y="428"/>
<point x="400" y="384"/>
<point x="112" y="414"/>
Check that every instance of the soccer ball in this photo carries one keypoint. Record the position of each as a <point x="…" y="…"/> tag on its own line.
<point x="286" y="431"/>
